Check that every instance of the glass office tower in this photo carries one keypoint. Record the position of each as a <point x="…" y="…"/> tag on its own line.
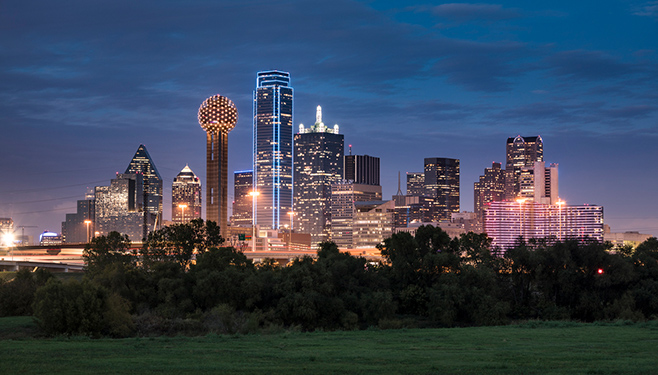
<point x="142" y="163"/>
<point x="442" y="184"/>
<point x="273" y="107"/>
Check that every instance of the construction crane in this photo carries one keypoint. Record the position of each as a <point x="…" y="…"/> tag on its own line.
<point x="23" y="232"/>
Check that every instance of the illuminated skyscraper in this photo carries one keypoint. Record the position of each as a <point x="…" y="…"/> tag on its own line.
<point x="318" y="164"/>
<point x="539" y="183"/>
<point x="242" y="200"/>
<point x="120" y="207"/>
<point x="490" y="188"/>
<point x="416" y="184"/>
<point x="521" y="152"/>
<point x="185" y="197"/>
<point x="217" y="116"/>
<point x="273" y="108"/>
<point x="142" y="163"/>
<point x="442" y="184"/>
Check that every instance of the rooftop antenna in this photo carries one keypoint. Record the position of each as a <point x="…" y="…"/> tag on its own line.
<point x="350" y="149"/>
<point x="399" y="190"/>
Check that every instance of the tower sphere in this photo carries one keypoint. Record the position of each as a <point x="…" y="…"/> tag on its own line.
<point x="218" y="113"/>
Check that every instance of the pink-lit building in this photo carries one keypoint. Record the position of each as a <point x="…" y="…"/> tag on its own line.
<point x="505" y="222"/>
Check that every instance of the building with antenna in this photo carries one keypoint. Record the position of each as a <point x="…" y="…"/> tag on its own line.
<point x="319" y="151"/>
<point x="362" y="169"/>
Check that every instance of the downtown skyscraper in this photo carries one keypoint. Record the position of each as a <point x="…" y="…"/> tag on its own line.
<point x="442" y="185"/>
<point x="185" y="197"/>
<point x="520" y="152"/>
<point x="318" y="164"/>
<point x="242" y="199"/>
<point x="142" y="163"/>
<point x="272" y="148"/>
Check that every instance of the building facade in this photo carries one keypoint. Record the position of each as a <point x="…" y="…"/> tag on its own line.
<point x="412" y="209"/>
<point x="217" y="117"/>
<point x="521" y="152"/>
<point x="273" y="122"/>
<point x="242" y="200"/>
<point x="185" y="197"/>
<point x="142" y="163"/>
<point x="539" y="183"/>
<point x="489" y="188"/>
<point x="362" y="169"/>
<point x="505" y="222"/>
<point x="318" y="162"/>
<point x="344" y="196"/>
<point x="373" y="223"/>
<point x="416" y="184"/>
<point x="120" y="208"/>
<point x="80" y="226"/>
<point x="442" y="185"/>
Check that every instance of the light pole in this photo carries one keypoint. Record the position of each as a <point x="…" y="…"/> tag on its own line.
<point x="291" y="214"/>
<point x="182" y="207"/>
<point x="88" y="222"/>
<point x="253" y="194"/>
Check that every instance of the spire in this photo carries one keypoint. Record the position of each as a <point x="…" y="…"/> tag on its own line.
<point x="399" y="190"/>
<point x="318" y="115"/>
<point x="187" y="169"/>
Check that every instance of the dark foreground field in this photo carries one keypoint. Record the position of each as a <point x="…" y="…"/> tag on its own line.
<point x="531" y="348"/>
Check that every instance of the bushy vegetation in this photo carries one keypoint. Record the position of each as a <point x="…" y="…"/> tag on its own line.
<point x="183" y="282"/>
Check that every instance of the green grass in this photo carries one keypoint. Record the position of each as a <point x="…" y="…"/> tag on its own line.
<point x="532" y="348"/>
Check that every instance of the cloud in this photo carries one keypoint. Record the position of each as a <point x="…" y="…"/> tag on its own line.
<point x="648" y="9"/>
<point x="588" y="65"/>
<point x="463" y="12"/>
<point x="631" y="111"/>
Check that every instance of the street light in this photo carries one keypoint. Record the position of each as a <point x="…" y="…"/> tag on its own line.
<point x="291" y="214"/>
<point x="253" y="194"/>
<point x="182" y="206"/>
<point x="87" y="222"/>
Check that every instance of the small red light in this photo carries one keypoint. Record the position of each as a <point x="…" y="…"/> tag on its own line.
<point x="599" y="271"/>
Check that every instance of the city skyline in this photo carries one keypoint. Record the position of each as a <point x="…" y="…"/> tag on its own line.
<point x="404" y="81"/>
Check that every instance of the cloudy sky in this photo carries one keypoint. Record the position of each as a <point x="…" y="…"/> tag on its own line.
<point x="84" y="83"/>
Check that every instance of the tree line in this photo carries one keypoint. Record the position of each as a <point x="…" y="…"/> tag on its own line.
<point x="183" y="281"/>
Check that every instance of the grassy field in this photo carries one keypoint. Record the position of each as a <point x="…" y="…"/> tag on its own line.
<point x="531" y="348"/>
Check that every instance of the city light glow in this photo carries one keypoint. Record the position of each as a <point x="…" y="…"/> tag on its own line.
<point x="8" y="239"/>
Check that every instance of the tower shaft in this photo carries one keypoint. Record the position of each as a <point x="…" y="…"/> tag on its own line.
<point x="217" y="179"/>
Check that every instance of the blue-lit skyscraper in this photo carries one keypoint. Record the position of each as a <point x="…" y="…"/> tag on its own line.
<point x="273" y="107"/>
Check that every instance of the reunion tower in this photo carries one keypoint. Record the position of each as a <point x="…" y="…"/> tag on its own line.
<point x="217" y="116"/>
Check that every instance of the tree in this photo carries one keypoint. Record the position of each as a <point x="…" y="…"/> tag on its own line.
<point x="180" y="242"/>
<point x="104" y="251"/>
<point x="80" y="308"/>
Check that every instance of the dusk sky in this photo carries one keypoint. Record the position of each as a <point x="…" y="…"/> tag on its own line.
<point x="84" y="83"/>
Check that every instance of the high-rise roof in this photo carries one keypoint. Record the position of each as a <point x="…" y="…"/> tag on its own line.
<point x="143" y="163"/>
